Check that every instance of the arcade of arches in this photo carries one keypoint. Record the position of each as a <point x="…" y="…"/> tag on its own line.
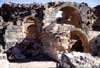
<point x="72" y="16"/>
<point x="75" y="19"/>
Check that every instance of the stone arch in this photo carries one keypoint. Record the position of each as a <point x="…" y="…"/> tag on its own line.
<point x="72" y="4"/>
<point x="27" y="24"/>
<point x="78" y="34"/>
<point x="30" y="20"/>
<point x="69" y="10"/>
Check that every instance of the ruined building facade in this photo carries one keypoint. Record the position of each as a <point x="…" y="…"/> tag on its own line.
<point x="75" y="26"/>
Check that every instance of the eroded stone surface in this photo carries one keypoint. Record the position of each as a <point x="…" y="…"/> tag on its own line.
<point x="56" y="27"/>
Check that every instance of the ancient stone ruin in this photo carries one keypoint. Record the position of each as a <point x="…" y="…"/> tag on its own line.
<point x="70" y="29"/>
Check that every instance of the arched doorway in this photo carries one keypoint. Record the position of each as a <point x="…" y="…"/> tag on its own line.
<point x="29" y="26"/>
<point x="77" y="46"/>
<point x="71" y="16"/>
<point x="82" y="44"/>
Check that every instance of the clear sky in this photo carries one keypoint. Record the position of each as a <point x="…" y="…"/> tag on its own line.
<point x="91" y="3"/>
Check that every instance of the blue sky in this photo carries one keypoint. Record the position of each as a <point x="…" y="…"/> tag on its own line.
<point x="91" y="3"/>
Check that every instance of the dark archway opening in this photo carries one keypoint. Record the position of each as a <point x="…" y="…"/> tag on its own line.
<point x="78" y="47"/>
<point x="71" y="16"/>
<point x="81" y="38"/>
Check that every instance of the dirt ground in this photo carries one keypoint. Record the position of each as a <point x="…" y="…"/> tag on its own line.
<point x="43" y="64"/>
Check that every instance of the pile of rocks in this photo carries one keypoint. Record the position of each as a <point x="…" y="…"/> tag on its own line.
<point x="80" y="60"/>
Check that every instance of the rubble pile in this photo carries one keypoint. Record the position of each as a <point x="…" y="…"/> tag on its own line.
<point x="81" y="60"/>
<point x="96" y="24"/>
<point x="13" y="11"/>
<point x="69" y="26"/>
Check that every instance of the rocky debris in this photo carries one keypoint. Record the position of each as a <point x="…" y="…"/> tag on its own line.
<point x="4" y="63"/>
<point x="94" y="44"/>
<point x="96" y="25"/>
<point x="97" y="10"/>
<point x="80" y="60"/>
<point x="3" y="28"/>
<point x="13" y="12"/>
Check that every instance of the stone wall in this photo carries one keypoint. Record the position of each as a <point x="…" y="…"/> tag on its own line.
<point x="97" y="21"/>
<point x="14" y="15"/>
